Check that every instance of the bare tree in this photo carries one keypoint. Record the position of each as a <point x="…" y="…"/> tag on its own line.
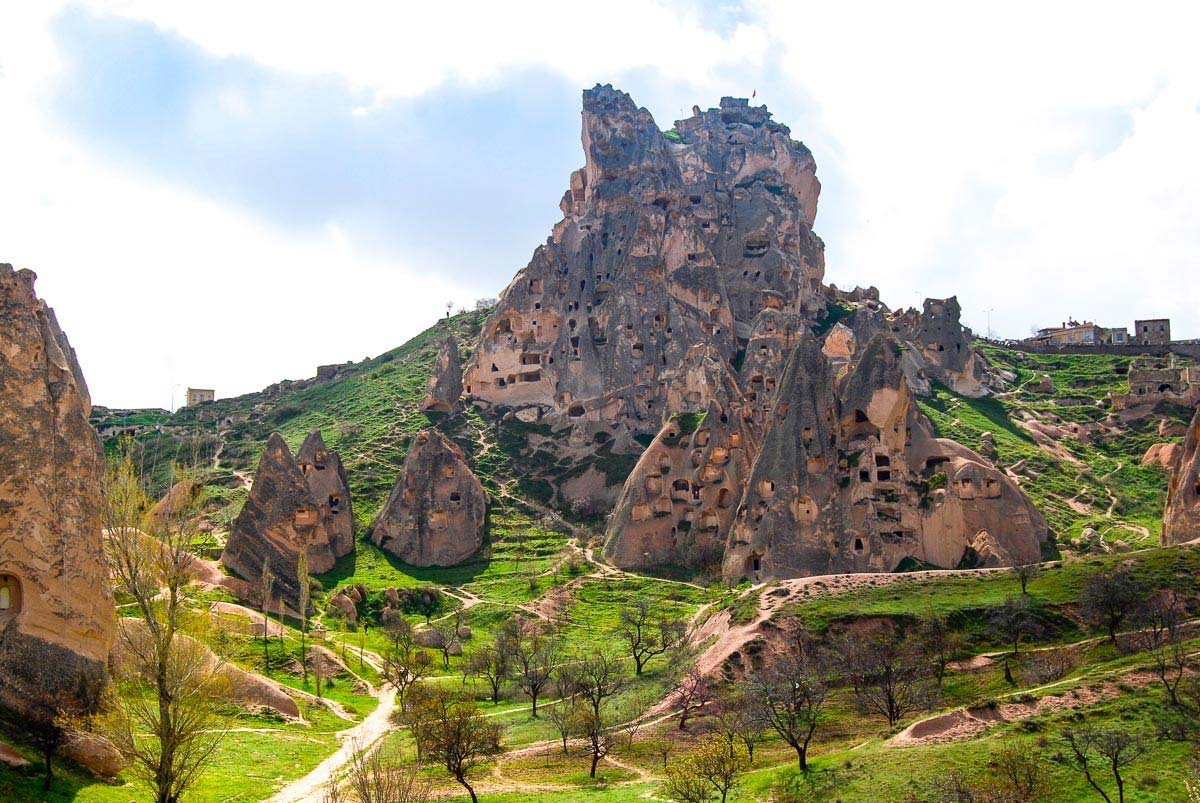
<point x="889" y="674"/>
<point x="167" y="720"/>
<point x="791" y="693"/>
<point x="534" y="655"/>
<point x="492" y="662"/>
<point x="562" y="716"/>
<point x="1014" y="619"/>
<point x="594" y="729"/>
<point x="1162" y="638"/>
<point x="597" y="677"/>
<point x="647" y="633"/>
<point x="1111" y="597"/>
<point x="460" y="738"/>
<point x="1020" y="773"/>
<point x="939" y="643"/>
<point x="690" y="695"/>
<point x="374" y="779"/>
<point x="1093" y="750"/>
<point x="404" y="662"/>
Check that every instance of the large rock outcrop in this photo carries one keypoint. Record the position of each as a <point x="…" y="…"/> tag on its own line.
<point x="437" y="511"/>
<point x="851" y="478"/>
<point x="281" y="517"/>
<point x="1181" y="519"/>
<point x="330" y="488"/>
<point x="665" y="243"/>
<point x="445" y="383"/>
<point x="57" y="619"/>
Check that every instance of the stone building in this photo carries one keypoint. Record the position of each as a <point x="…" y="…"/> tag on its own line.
<point x="199" y="395"/>
<point x="1153" y="332"/>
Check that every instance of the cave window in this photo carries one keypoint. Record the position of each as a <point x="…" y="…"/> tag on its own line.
<point x="319" y="459"/>
<point x="884" y="476"/>
<point x="335" y="504"/>
<point x="10" y="597"/>
<point x="858" y="545"/>
<point x="864" y="475"/>
<point x="882" y="460"/>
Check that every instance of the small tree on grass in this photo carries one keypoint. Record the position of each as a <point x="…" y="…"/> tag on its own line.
<point x="427" y="600"/>
<point x="1163" y="639"/>
<point x="1026" y="573"/>
<point x="1111" y="597"/>
<point x="460" y="738"/>
<point x="889" y="673"/>
<point x="266" y="587"/>
<point x="940" y="643"/>
<point x="167" y="718"/>
<point x="492" y="663"/>
<point x="714" y="766"/>
<point x="594" y="730"/>
<point x="534" y="655"/>
<point x="791" y="693"/>
<point x="562" y="716"/>
<point x="1095" y="751"/>
<point x="690" y="694"/>
<point x="647" y="633"/>
<point x="1018" y="774"/>
<point x="404" y="663"/>
<point x="374" y="779"/>
<point x="305" y="594"/>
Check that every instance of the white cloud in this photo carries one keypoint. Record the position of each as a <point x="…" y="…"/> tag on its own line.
<point x="157" y="287"/>
<point x="405" y="49"/>
<point x="952" y="117"/>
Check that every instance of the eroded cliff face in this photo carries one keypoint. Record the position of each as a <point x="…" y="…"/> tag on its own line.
<point x="679" y="305"/>
<point x="1181" y="519"/>
<point x="284" y="514"/>
<point x="851" y="478"/>
<point x="665" y="244"/>
<point x="437" y="510"/>
<point x="445" y="384"/>
<point x="57" y="620"/>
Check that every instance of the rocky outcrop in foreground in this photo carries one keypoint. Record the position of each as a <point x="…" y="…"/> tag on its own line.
<point x="436" y="513"/>
<point x="1181" y="519"/>
<point x="290" y="508"/>
<point x="57" y="620"/>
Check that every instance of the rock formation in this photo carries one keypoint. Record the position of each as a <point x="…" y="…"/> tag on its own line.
<point x="283" y="515"/>
<point x="662" y="310"/>
<point x="1181" y="519"/>
<point x="57" y="620"/>
<point x="445" y="383"/>
<point x="436" y="513"/>
<point x="327" y="482"/>
<point x="850" y="478"/>
<point x="665" y="243"/>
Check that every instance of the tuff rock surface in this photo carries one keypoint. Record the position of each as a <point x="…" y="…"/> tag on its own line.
<point x="437" y="510"/>
<point x="1181" y="519"/>
<point x="679" y="306"/>
<point x="57" y="619"/>
<point x="445" y="384"/>
<point x="283" y="515"/>
<point x="327" y="482"/>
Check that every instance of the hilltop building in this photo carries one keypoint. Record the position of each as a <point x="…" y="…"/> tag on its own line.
<point x="1156" y="331"/>
<point x="1153" y="332"/>
<point x="197" y="395"/>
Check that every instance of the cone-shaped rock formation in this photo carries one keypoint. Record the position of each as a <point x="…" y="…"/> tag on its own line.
<point x="437" y="510"/>
<point x="57" y="620"/>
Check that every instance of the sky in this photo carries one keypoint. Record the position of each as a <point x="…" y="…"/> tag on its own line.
<point x="226" y="194"/>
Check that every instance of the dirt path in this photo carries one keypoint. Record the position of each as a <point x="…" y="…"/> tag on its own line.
<point x="311" y="788"/>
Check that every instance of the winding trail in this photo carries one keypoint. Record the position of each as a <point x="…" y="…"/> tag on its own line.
<point x="311" y="788"/>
